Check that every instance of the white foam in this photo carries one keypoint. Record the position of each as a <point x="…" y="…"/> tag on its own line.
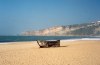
<point x="80" y="39"/>
<point x="5" y="43"/>
<point x="70" y="40"/>
<point x="90" y="39"/>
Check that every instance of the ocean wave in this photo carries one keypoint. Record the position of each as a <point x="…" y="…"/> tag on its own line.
<point x="80" y="39"/>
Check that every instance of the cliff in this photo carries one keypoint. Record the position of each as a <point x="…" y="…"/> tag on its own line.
<point x="92" y="29"/>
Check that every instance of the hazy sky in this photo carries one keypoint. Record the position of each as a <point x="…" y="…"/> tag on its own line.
<point x="17" y="16"/>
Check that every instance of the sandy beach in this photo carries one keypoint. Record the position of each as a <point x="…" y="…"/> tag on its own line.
<point x="80" y="52"/>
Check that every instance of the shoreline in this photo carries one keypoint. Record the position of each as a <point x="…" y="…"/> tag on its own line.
<point x="98" y="39"/>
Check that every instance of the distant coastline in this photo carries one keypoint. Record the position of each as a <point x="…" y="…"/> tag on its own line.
<point x="85" y="29"/>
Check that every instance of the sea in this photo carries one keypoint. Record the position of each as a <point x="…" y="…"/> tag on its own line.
<point x="34" y="38"/>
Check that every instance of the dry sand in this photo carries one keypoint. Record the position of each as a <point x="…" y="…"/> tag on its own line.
<point x="70" y="53"/>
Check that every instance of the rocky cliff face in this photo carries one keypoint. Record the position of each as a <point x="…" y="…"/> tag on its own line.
<point x="77" y="29"/>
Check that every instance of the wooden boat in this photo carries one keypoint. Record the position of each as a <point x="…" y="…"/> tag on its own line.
<point x="48" y="43"/>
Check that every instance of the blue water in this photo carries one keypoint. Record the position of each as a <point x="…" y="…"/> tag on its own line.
<point x="34" y="38"/>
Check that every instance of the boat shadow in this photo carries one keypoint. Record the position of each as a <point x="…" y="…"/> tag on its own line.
<point x="65" y="46"/>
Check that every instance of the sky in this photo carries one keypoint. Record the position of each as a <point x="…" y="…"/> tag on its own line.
<point x="17" y="16"/>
